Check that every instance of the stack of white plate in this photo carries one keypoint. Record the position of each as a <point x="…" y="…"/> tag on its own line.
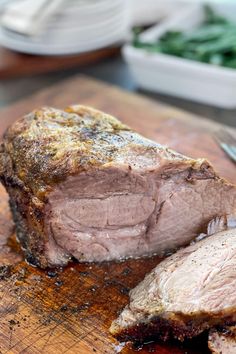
<point x="79" y="26"/>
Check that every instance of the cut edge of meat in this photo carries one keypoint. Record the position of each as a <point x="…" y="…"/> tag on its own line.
<point x="60" y="251"/>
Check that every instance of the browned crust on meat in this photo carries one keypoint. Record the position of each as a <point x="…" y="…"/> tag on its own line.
<point x="47" y="145"/>
<point x="28" y="219"/>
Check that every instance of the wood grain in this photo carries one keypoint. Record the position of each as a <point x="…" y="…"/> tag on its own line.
<point x="70" y="310"/>
<point x="13" y="64"/>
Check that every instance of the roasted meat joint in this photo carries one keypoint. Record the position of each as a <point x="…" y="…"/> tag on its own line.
<point x="83" y="185"/>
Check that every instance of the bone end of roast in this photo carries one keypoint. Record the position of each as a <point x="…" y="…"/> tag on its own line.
<point x="83" y="185"/>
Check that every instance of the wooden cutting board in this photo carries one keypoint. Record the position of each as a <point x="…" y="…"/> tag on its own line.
<point x="70" y="310"/>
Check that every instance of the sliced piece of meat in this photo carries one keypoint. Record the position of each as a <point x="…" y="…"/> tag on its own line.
<point x="84" y="185"/>
<point x="223" y="341"/>
<point x="188" y="292"/>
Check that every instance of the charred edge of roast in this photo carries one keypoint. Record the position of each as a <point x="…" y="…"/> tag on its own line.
<point x="28" y="216"/>
<point x="31" y="241"/>
<point x="166" y="329"/>
<point x="29" y="226"/>
<point x="227" y="331"/>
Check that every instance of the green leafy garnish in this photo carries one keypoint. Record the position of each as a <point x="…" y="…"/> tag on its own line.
<point x="214" y="42"/>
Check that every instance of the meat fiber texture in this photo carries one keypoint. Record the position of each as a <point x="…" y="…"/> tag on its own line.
<point x="189" y="292"/>
<point x="83" y="185"/>
<point x="223" y="340"/>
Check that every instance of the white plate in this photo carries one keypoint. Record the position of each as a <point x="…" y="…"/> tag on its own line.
<point x="88" y="25"/>
<point x="69" y="48"/>
<point x="66" y="34"/>
<point x="91" y="6"/>
<point x="69" y="35"/>
<point x="91" y="18"/>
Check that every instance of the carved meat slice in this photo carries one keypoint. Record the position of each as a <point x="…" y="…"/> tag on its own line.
<point x="223" y="341"/>
<point x="189" y="292"/>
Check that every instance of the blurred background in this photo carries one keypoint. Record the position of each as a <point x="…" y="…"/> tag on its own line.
<point x="182" y="52"/>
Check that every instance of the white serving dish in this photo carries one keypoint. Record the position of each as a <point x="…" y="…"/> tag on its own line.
<point x="179" y="77"/>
